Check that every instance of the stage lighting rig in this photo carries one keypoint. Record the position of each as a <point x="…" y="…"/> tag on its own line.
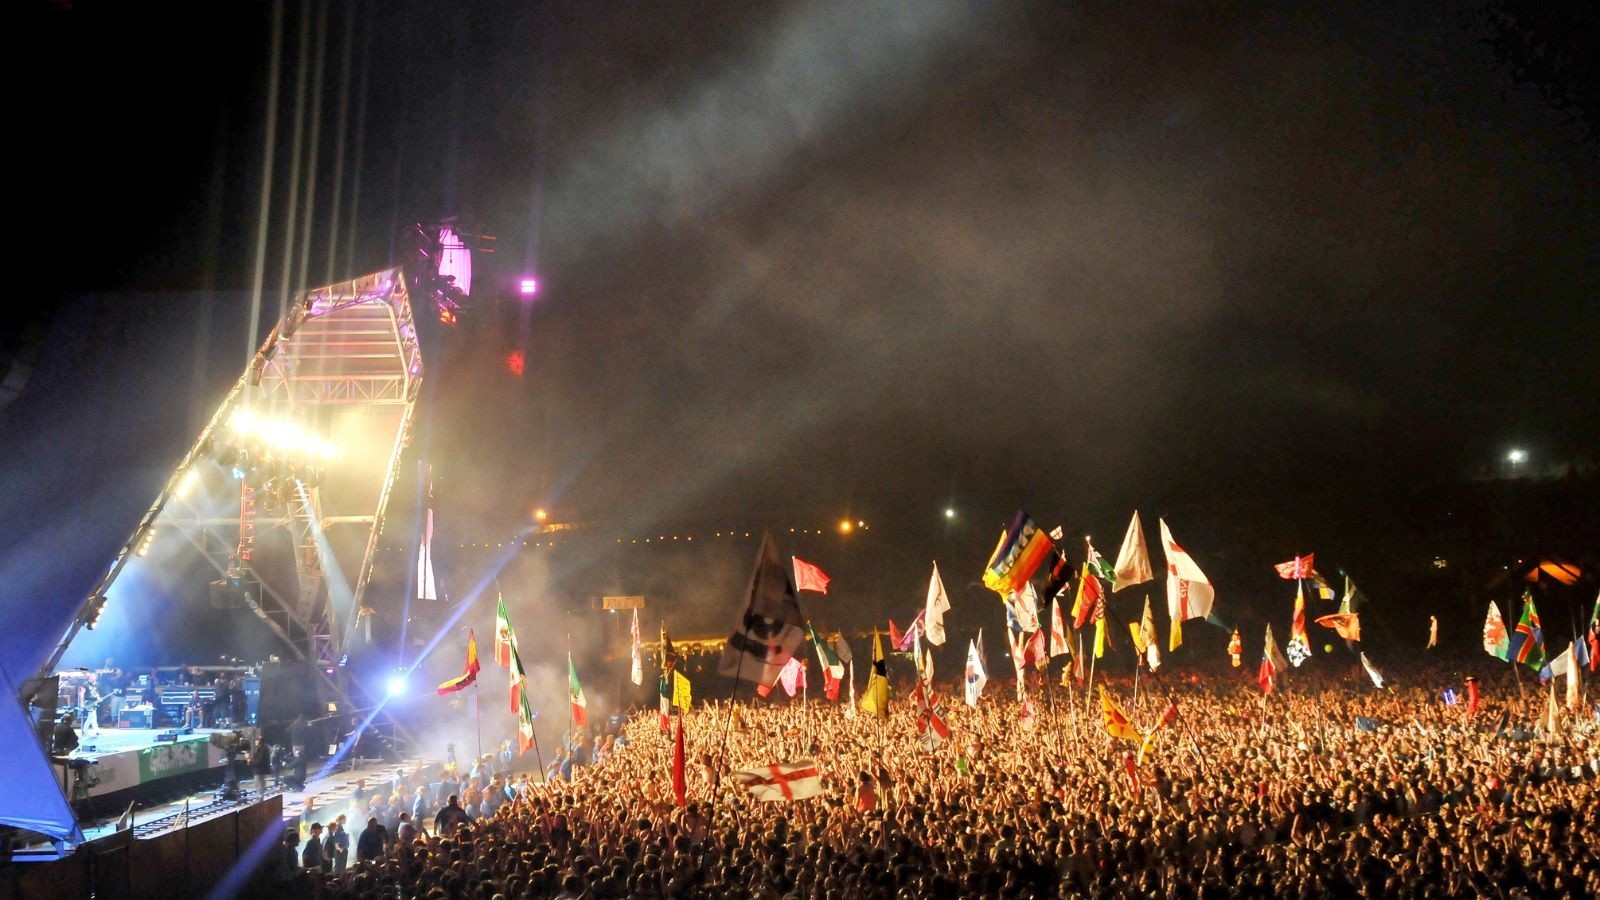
<point x="445" y="251"/>
<point x="91" y="613"/>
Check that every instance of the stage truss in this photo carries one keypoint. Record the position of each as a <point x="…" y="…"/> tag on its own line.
<point x="310" y="440"/>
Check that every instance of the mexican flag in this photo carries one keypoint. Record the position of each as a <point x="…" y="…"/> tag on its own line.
<point x="580" y="706"/>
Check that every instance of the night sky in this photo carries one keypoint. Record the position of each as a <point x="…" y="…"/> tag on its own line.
<point x="1262" y="270"/>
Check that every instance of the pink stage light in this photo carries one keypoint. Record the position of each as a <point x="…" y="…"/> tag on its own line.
<point x="455" y="259"/>
<point x="529" y="287"/>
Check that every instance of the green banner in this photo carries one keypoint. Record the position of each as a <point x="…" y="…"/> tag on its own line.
<point x="179" y="758"/>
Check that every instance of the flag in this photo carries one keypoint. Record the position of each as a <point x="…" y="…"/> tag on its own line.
<point x="1348" y="625"/>
<point x="580" y="705"/>
<point x="1272" y="662"/>
<point x="426" y="588"/>
<point x="1168" y="716"/>
<point x="1495" y="641"/>
<point x="1236" y="648"/>
<point x="682" y="694"/>
<point x="793" y="676"/>
<point x="1299" y="647"/>
<point x="469" y="673"/>
<point x="1089" y="593"/>
<point x="1033" y="651"/>
<point x="1099" y="565"/>
<point x="977" y="676"/>
<point x="1529" y="637"/>
<point x="795" y="780"/>
<point x="1017" y="556"/>
<point x="680" y="780"/>
<point x="1566" y="664"/>
<point x="1295" y="569"/>
<point x="1353" y="598"/>
<point x="1100" y="635"/>
<point x="1372" y="671"/>
<point x="1550" y="722"/>
<point x="808" y="577"/>
<point x="876" y="700"/>
<point x="1322" y="587"/>
<point x="895" y="635"/>
<point x="770" y="626"/>
<point x="504" y="637"/>
<point x="828" y="661"/>
<point x="1058" y="632"/>
<point x="525" y="736"/>
<point x="1175" y="640"/>
<point x="1473" y="696"/>
<point x="933" y="612"/>
<point x="636" y="653"/>
<point x="1133" y="560"/>
<point x="1118" y="725"/>
<point x="1060" y="575"/>
<point x="1023" y="606"/>
<point x="1025" y="715"/>
<point x="904" y="644"/>
<point x="1189" y="591"/>
<point x="1147" y="631"/>
<point x="669" y="665"/>
<point x="1433" y="632"/>
<point x="931" y="728"/>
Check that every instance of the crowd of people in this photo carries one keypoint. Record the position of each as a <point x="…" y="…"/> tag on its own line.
<point x="1329" y="787"/>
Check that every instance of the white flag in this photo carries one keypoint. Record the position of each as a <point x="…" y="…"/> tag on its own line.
<point x="1152" y="643"/>
<point x="976" y="676"/>
<point x="1189" y="591"/>
<point x="637" y="671"/>
<point x="1433" y="632"/>
<point x="938" y="604"/>
<point x="1058" y="632"/>
<point x="1372" y="671"/>
<point x="1025" y="607"/>
<point x="1133" y="560"/>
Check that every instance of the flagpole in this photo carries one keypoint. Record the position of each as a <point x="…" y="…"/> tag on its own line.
<point x="477" y="717"/>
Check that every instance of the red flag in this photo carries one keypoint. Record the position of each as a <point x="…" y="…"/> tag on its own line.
<point x="1473" y="696"/>
<point x="1034" y="651"/>
<point x="680" y="783"/>
<point x="895" y="637"/>
<point x="1297" y="568"/>
<point x="471" y="671"/>
<point x="808" y="577"/>
<point x="1266" y="677"/>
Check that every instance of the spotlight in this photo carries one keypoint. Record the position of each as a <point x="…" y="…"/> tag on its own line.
<point x="1517" y="456"/>
<point x="397" y="685"/>
<point x="528" y="287"/>
<point x="949" y="512"/>
<point x="846" y="526"/>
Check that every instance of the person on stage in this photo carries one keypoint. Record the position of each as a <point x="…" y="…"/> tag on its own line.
<point x="64" y="739"/>
<point x="261" y="765"/>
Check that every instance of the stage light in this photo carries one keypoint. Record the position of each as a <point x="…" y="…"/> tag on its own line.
<point x="1517" y="456"/>
<point x="528" y="287"/>
<point x="397" y="685"/>
<point x="187" y="482"/>
<point x="91" y="613"/>
<point x="949" y="512"/>
<point x="846" y="526"/>
<point x="540" y="515"/>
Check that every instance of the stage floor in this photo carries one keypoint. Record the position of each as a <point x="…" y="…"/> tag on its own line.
<point x="108" y="741"/>
<point x="119" y="759"/>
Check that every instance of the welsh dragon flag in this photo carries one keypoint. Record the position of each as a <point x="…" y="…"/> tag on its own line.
<point x="1496" y="642"/>
<point x="580" y="706"/>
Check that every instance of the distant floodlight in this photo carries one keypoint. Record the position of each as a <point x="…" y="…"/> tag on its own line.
<point x="528" y="286"/>
<point x="1517" y="456"/>
<point x="846" y="526"/>
<point x="949" y="512"/>
<point x="397" y="685"/>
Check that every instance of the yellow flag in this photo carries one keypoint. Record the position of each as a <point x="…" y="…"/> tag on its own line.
<point x="1177" y="636"/>
<point x="1138" y="637"/>
<point x="876" y="698"/>
<point x="681" y="697"/>
<point x="1099" y="637"/>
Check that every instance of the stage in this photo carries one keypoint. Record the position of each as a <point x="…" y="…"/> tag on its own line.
<point x="117" y="759"/>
